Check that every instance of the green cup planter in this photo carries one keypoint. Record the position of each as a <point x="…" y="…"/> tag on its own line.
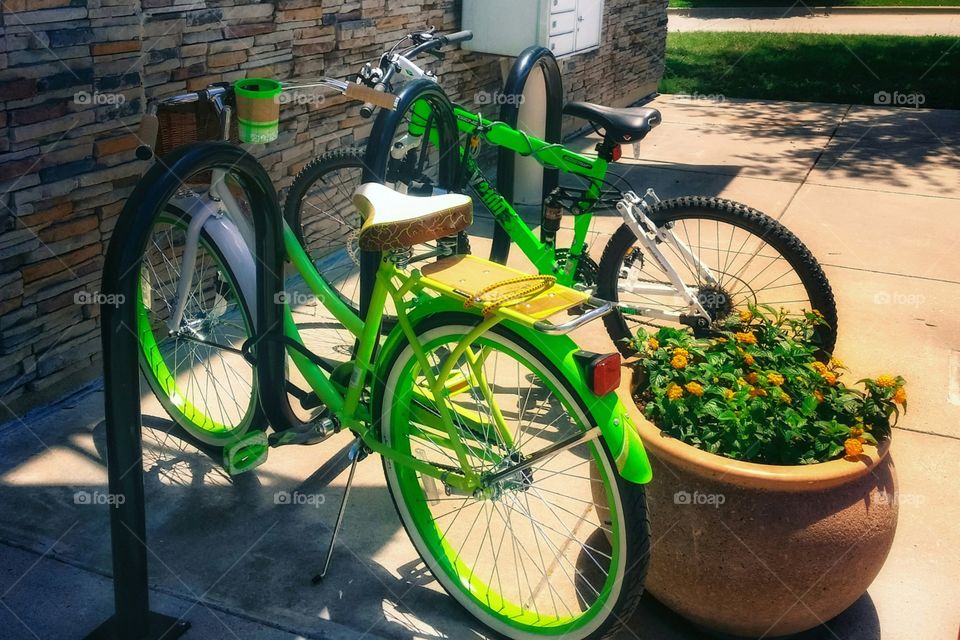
<point x="258" y="109"/>
<point x="755" y="550"/>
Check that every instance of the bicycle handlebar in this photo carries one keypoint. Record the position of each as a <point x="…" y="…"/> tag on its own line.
<point x="147" y="135"/>
<point x="366" y="110"/>
<point x="455" y="38"/>
<point x="429" y="43"/>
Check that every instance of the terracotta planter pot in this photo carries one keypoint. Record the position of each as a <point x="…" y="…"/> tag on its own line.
<point x="762" y="550"/>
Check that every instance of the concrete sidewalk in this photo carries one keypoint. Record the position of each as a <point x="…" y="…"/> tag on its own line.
<point x="901" y="21"/>
<point x="875" y="194"/>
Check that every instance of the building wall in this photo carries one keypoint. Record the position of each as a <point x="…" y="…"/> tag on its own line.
<point x="75" y="76"/>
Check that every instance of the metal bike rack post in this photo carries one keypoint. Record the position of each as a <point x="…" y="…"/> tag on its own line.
<point x="530" y="59"/>
<point x="132" y="619"/>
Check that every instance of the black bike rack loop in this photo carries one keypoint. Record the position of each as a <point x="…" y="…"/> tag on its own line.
<point x="132" y="619"/>
<point x="531" y="58"/>
<point x="377" y="156"/>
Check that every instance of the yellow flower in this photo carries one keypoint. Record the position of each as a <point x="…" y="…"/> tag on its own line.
<point x="819" y="367"/>
<point x="746" y="316"/>
<point x="856" y="432"/>
<point x="785" y="398"/>
<point x="757" y="392"/>
<point x="818" y="395"/>
<point x="853" y="447"/>
<point x="680" y="351"/>
<point x="720" y="341"/>
<point x="695" y="388"/>
<point x="741" y="382"/>
<point x="653" y="343"/>
<point x="830" y="377"/>
<point x="900" y="395"/>
<point x="748" y="359"/>
<point x="674" y="391"/>
<point x="678" y="362"/>
<point x="836" y="363"/>
<point x="775" y="378"/>
<point x="752" y="377"/>
<point x="886" y="381"/>
<point x="746" y="337"/>
<point x="728" y="394"/>
<point x="818" y="314"/>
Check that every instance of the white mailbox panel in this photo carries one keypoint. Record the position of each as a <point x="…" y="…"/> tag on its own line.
<point x="563" y="22"/>
<point x="589" y="17"/>
<point x="507" y="27"/>
<point x="563" y="44"/>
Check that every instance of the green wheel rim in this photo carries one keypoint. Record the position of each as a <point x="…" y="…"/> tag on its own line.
<point x="447" y="559"/>
<point x="175" y="400"/>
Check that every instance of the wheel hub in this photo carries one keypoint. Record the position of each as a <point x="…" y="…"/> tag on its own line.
<point x="519" y="481"/>
<point x="715" y="301"/>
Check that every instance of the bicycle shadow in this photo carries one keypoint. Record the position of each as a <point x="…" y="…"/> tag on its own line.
<point x="254" y="542"/>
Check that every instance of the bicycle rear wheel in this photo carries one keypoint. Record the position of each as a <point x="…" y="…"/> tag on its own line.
<point x="556" y="550"/>
<point x="755" y="259"/>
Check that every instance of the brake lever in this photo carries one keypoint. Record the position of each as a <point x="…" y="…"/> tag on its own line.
<point x="439" y="55"/>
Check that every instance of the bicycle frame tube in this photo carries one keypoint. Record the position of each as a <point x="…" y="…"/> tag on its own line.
<point x="551" y="156"/>
<point x="347" y="405"/>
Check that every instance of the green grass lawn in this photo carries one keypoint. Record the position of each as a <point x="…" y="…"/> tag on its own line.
<point x="813" y="67"/>
<point x="692" y="4"/>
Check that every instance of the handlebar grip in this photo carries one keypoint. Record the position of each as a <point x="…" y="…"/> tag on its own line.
<point x="459" y="36"/>
<point x="375" y="97"/>
<point x="147" y="133"/>
<point x="366" y="110"/>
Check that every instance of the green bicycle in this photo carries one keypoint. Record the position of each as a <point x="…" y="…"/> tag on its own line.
<point x="513" y="465"/>
<point x="689" y="261"/>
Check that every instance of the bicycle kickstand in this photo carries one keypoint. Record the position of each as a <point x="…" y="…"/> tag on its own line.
<point x="357" y="453"/>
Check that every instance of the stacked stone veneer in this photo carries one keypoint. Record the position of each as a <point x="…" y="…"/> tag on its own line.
<point x="75" y="77"/>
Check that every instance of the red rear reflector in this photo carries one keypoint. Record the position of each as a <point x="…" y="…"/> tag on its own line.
<point x="617" y="153"/>
<point x="604" y="374"/>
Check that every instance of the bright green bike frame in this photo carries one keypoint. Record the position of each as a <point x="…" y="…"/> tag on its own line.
<point x="415" y="298"/>
<point x="552" y="156"/>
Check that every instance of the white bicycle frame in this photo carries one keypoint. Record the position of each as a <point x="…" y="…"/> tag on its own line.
<point x="633" y="209"/>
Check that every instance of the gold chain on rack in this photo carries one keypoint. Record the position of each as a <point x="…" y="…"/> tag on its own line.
<point x="538" y="284"/>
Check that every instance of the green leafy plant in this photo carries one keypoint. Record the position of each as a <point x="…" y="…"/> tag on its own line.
<point x="756" y="391"/>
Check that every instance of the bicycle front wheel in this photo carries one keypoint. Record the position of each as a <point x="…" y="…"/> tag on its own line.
<point x="754" y="259"/>
<point x="196" y="372"/>
<point x="558" y="549"/>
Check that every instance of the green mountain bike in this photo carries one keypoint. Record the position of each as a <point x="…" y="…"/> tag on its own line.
<point x="689" y="261"/>
<point x="512" y="463"/>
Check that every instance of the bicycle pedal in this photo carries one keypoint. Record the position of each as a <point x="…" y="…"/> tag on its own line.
<point x="310" y="433"/>
<point x="247" y="453"/>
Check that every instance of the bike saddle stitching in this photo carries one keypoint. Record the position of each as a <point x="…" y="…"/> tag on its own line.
<point x="393" y="220"/>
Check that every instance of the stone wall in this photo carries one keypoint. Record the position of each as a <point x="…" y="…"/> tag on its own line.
<point x="75" y="77"/>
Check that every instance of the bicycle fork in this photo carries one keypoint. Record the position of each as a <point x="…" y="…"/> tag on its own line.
<point x="634" y="211"/>
<point x="221" y="217"/>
